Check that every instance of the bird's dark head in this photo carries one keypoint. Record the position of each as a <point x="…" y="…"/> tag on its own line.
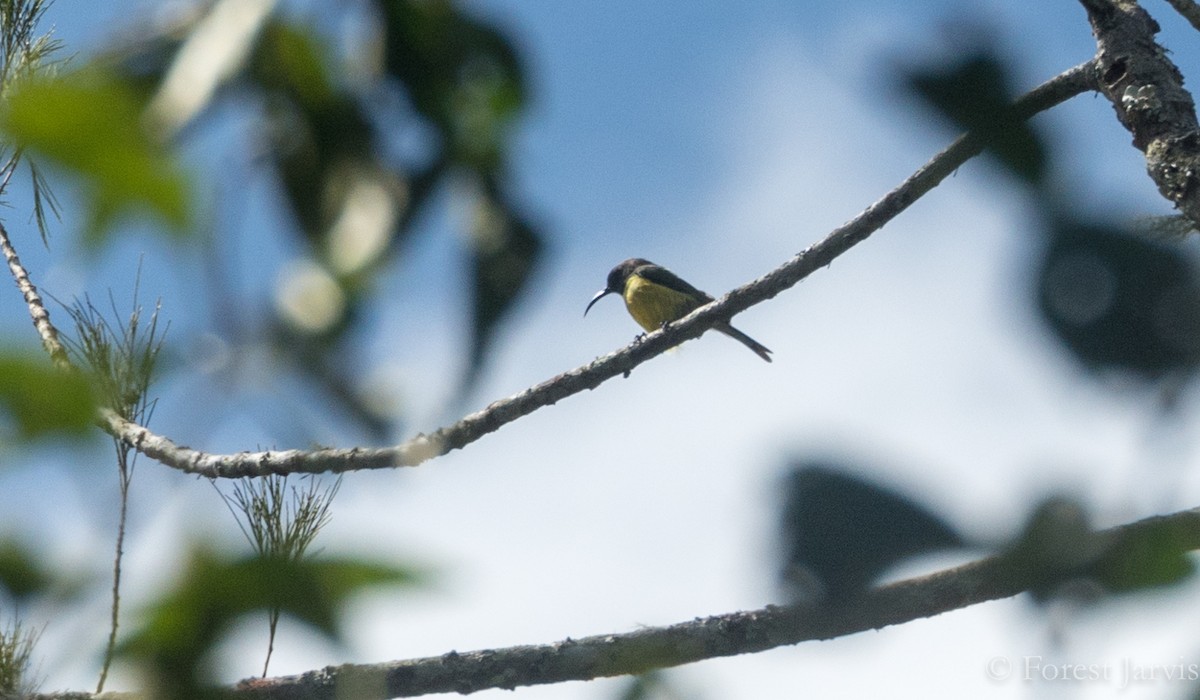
<point x="616" y="280"/>
<point x="619" y="274"/>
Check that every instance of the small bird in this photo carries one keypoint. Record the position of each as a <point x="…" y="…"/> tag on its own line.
<point x="656" y="296"/>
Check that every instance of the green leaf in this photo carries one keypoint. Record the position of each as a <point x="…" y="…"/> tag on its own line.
<point x="20" y="571"/>
<point x="41" y="399"/>
<point x="1148" y="559"/>
<point x="93" y="124"/>
<point x="182" y="626"/>
<point x="1058" y="546"/>
<point x="290" y="59"/>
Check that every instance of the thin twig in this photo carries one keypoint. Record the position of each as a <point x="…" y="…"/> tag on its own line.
<point x="474" y="426"/>
<point x="125" y="474"/>
<point x="121" y="360"/>
<point x="279" y="524"/>
<point x="17" y="644"/>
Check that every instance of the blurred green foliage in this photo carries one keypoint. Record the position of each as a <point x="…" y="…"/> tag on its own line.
<point x="213" y="592"/>
<point x="1058" y="549"/>
<point x="1112" y="298"/>
<point x="424" y="70"/>
<point x="435" y="71"/>
<point x="90" y="123"/>
<point x="22" y="574"/>
<point x="461" y="74"/>
<point x="329" y="141"/>
<point x="40" y="399"/>
<point x="1158" y="556"/>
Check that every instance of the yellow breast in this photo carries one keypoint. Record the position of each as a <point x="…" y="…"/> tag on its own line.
<point x="652" y="305"/>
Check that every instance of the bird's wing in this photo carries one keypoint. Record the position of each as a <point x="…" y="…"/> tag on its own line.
<point x="663" y="276"/>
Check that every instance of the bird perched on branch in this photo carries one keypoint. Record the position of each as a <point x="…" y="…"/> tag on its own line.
<point x="656" y="296"/>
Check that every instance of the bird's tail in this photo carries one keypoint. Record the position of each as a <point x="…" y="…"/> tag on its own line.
<point x="758" y="348"/>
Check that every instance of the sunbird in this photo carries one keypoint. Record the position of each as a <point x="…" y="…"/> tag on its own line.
<point x="656" y="296"/>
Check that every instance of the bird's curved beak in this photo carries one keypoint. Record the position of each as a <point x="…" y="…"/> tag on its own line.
<point x="599" y="295"/>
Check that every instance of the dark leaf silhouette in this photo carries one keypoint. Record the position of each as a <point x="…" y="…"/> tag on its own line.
<point x="974" y="94"/>
<point x="841" y="533"/>
<point x="1118" y="300"/>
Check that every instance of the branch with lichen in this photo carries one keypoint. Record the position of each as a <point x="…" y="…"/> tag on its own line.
<point x="1146" y="90"/>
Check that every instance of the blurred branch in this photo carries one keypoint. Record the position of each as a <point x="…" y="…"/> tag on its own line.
<point x="474" y="426"/>
<point x="1189" y="9"/>
<point x="216" y="47"/>
<point x="1146" y="90"/>
<point x="607" y="655"/>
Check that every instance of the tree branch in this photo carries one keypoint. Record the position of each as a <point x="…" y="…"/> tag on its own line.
<point x="1146" y="90"/>
<point x="37" y="308"/>
<point x="731" y="634"/>
<point x="1190" y="11"/>
<point x="474" y="426"/>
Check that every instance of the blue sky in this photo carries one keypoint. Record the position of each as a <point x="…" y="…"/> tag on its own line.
<point x="717" y="142"/>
